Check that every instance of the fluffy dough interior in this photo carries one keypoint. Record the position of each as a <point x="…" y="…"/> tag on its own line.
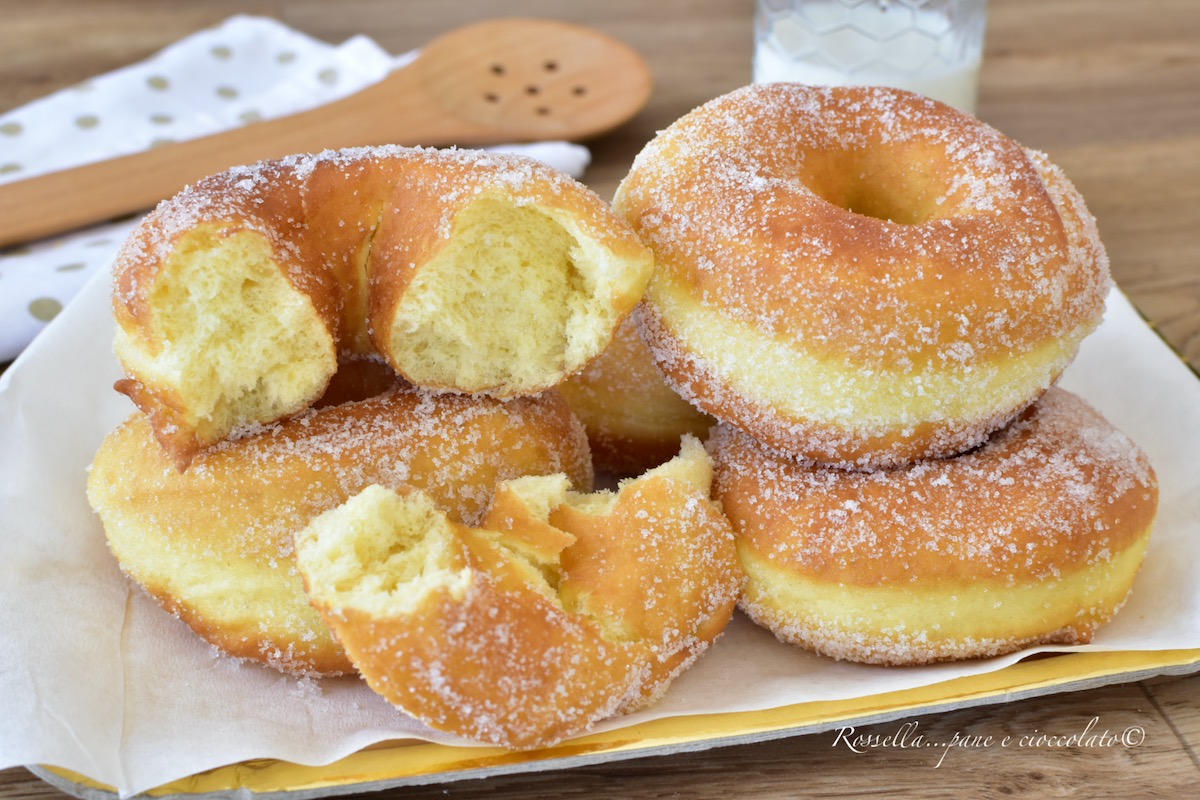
<point x="560" y="610"/>
<point x="384" y="554"/>
<point x="512" y="297"/>
<point x="238" y="341"/>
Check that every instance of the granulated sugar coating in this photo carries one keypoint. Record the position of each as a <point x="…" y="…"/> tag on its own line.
<point x="1033" y="537"/>
<point x="561" y="609"/>
<point x="290" y="181"/>
<point x="213" y="544"/>
<point x="860" y="275"/>
<point x="467" y="271"/>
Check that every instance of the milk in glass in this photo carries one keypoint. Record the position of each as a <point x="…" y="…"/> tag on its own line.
<point x="933" y="48"/>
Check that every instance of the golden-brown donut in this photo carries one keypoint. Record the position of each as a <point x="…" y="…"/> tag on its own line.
<point x="1035" y="537"/>
<point x="559" y="610"/>
<point x="859" y="275"/>
<point x="467" y="271"/>
<point x="634" y="420"/>
<point x="213" y="544"/>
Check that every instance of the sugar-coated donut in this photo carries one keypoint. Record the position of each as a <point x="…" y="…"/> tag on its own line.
<point x="559" y="610"/>
<point x="859" y="275"/>
<point x="1035" y="537"/>
<point x="467" y="271"/>
<point x="634" y="420"/>
<point x="213" y="544"/>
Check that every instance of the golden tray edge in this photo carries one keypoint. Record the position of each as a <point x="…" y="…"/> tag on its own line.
<point x="413" y="762"/>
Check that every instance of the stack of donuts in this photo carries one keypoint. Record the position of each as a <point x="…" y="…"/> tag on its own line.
<point x="874" y="295"/>
<point x="360" y="377"/>
<point x="349" y="455"/>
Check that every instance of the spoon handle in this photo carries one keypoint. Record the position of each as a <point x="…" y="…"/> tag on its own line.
<point x="504" y="80"/>
<point x="75" y="197"/>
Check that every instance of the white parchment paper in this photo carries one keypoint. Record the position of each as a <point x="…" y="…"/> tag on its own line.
<point x="96" y="678"/>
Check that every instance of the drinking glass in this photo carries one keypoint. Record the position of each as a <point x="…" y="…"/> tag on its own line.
<point x="929" y="46"/>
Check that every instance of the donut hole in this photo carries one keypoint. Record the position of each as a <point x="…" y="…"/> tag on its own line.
<point x="238" y="340"/>
<point x="515" y="302"/>
<point x="634" y="420"/>
<point x="357" y="378"/>
<point x="905" y="188"/>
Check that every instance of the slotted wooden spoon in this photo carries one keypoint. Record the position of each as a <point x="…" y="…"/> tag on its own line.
<point x="508" y="80"/>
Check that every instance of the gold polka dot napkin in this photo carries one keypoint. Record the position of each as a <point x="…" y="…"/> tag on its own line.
<point x="245" y="70"/>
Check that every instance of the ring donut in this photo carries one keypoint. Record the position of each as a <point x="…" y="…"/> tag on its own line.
<point x="1035" y="537"/>
<point x="859" y="275"/>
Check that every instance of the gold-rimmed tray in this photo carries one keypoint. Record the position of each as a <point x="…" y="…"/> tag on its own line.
<point x="390" y="765"/>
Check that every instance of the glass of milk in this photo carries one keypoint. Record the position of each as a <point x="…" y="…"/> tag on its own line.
<point x="929" y="46"/>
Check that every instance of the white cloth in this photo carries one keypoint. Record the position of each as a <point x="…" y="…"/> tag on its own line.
<point x="244" y="70"/>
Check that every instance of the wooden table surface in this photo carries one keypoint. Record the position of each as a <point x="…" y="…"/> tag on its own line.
<point x="1110" y="89"/>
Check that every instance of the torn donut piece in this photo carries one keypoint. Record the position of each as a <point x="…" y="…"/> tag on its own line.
<point x="465" y="271"/>
<point x="559" y="610"/>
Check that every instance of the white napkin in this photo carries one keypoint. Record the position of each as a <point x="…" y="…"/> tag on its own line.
<point x="247" y="69"/>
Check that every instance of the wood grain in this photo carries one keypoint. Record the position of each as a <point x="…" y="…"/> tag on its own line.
<point x="448" y="96"/>
<point x="1110" y="89"/>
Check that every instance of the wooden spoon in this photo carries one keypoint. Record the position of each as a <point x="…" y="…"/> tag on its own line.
<point x="508" y="80"/>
